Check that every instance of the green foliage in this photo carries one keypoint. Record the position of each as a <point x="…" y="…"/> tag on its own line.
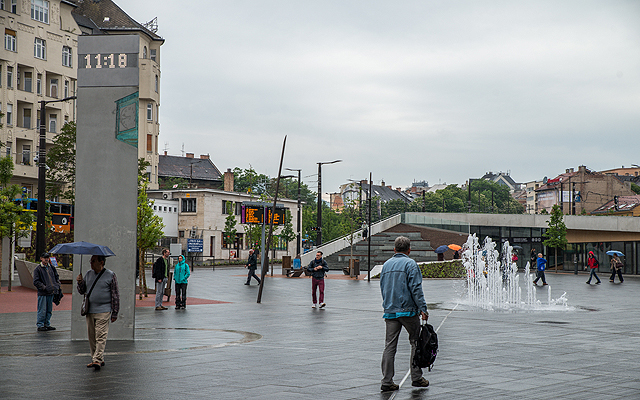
<point x="61" y="163"/>
<point x="635" y="188"/>
<point x="287" y="233"/>
<point x="170" y="182"/>
<point x="556" y="233"/>
<point x="142" y="173"/>
<point x="447" y="269"/>
<point x="249" y="181"/>
<point x="229" y="234"/>
<point x="149" y="225"/>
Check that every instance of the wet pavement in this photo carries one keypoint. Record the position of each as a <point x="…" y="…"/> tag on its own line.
<point x="283" y="349"/>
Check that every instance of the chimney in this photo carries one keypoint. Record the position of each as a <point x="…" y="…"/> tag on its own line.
<point x="204" y="156"/>
<point x="189" y="155"/>
<point x="363" y="182"/>
<point x="165" y="152"/>
<point x="381" y="183"/>
<point x="228" y="181"/>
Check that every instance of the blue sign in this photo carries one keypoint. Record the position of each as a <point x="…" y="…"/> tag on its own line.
<point x="195" y="245"/>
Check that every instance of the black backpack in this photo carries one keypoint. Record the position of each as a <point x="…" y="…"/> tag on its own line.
<point x="426" y="347"/>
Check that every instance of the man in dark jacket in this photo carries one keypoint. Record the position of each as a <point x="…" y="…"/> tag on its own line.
<point x="252" y="264"/>
<point x="160" y="274"/>
<point x="46" y="280"/>
<point x="318" y="268"/>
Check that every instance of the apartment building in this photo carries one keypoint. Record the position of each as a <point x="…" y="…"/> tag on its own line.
<point x="105" y="17"/>
<point x="37" y="63"/>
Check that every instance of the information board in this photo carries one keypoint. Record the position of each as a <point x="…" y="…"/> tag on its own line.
<point x="254" y="214"/>
<point x="195" y="245"/>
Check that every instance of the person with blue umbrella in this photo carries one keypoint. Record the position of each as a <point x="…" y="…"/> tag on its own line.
<point x="616" y="268"/>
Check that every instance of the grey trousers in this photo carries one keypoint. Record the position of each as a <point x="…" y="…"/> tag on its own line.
<point x="160" y="291"/>
<point x="394" y="326"/>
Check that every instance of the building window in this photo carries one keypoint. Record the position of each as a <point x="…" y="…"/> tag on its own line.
<point x="144" y="52"/>
<point x="149" y="112"/>
<point x="181" y="234"/>
<point x="0" y="75"/>
<point x="157" y="83"/>
<point x="26" y="118"/>
<point x="9" y="115"/>
<point x="53" y="88"/>
<point x="149" y="143"/>
<point x="153" y="54"/>
<point x="14" y="6"/>
<point x="238" y="208"/>
<point x="27" y="81"/>
<point x="26" y="154"/>
<point x="66" y="89"/>
<point x="188" y="205"/>
<point x="40" y="49"/>
<point x="9" y="77"/>
<point x="66" y="56"/>
<point x="39" y="84"/>
<point x="53" y="122"/>
<point x="10" y="39"/>
<point x="40" y="10"/>
<point x="227" y="207"/>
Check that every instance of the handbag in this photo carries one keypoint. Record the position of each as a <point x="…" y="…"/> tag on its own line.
<point x="84" y="309"/>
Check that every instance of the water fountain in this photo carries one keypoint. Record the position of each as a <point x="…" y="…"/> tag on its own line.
<point x="493" y="282"/>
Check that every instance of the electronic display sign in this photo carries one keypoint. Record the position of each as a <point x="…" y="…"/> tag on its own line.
<point x="254" y="214"/>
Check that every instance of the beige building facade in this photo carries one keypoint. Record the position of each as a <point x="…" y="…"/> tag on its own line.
<point x="37" y="62"/>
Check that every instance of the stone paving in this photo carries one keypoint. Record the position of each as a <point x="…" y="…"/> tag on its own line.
<point x="283" y="349"/>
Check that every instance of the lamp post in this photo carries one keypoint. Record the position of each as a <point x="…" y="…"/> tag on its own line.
<point x="319" y="219"/>
<point x="298" y="241"/>
<point x="42" y="179"/>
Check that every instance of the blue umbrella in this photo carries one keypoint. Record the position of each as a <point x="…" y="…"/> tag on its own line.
<point x="615" y="253"/>
<point x="442" y="249"/>
<point x="82" y="248"/>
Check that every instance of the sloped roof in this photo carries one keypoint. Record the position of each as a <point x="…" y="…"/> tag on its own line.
<point x="490" y="176"/>
<point x="385" y="193"/>
<point x="625" y="203"/>
<point x="107" y="16"/>
<point x="180" y="167"/>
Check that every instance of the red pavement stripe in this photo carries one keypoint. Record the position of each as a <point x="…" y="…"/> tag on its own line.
<point x="21" y="299"/>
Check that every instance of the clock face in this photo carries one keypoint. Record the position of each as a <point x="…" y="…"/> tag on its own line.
<point x="127" y="118"/>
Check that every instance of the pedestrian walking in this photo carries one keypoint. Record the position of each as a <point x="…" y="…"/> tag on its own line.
<point x="252" y="264"/>
<point x="593" y="264"/>
<point x="160" y="273"/>
<point x="318" y="268"/>
<point x="403" y="303"/>
<point x="616" y="268"/>
<point x="181" y="273"/>
<point x="47" y="281"/>
<point x="542" y="263"/>
<point x="104" y="305"/>
<point x="532" y="258"/>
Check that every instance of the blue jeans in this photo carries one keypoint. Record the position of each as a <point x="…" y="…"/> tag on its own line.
<point x="45" y="307"/>
<point x="593" y="273"/>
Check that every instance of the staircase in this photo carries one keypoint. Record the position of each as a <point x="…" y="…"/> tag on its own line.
<point x="381" y="250"/>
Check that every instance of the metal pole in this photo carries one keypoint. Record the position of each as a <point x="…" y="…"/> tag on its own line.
<point x="370" y="233"/>
<point x="319" y="216"/>
<point x="42" y="183"/>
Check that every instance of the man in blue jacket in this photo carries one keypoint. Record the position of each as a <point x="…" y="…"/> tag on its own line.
<point x="542" y="263"/>
<point x="404" y="304"/>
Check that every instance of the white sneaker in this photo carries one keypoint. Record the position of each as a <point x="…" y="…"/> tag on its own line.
<point x="314" y="305"/>
<point x="322" y="305"/>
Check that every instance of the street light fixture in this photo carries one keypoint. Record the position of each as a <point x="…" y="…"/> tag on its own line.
<point x="319" y="219"/>
<point x="42" y="180"/>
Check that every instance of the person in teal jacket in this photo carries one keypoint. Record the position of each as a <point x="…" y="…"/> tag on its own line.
<point x="181" y="273"/>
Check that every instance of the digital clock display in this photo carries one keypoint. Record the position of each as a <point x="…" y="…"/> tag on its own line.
<point x="108" y="61"/>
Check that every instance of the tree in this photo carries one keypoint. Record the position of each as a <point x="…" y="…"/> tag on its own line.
<point x="173" y="183"/>
<point x="15" y="222"/>
<point x="149" y="225"/>
<point x="61" y="164"/>
<point x="635" y="188"/>
<point x="230" y="231"/>
<point x="556" y="233"/>
<point x="287" y="233"/>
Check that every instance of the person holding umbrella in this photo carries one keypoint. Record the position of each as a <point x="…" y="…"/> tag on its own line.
<point x="104" y="305"/>
<point x="616" y="267"/>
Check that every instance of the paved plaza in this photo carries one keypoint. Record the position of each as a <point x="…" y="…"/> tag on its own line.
<point x="230" y="347"/>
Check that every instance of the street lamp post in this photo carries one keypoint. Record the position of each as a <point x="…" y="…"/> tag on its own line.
<point x="42" y="179"/>
<point x="298" y="241"/>
<point x="319" y="217"/>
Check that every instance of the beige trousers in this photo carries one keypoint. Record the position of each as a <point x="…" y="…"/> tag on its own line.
<point x="98" y="329"/>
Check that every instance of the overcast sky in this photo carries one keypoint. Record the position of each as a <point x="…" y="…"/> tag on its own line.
<point x="408" y="90"/>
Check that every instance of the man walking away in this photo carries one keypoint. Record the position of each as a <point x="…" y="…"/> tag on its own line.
<point x="403" y="303"/>
<point x="318" y="268"/>
<point x="104" y="305"/>
<point x="160" y="274"/>
<point x="252" y="264"/>
<point x="593" y="264"/>
<point x="542" y="263"/>
<point x="46" y="280"/>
